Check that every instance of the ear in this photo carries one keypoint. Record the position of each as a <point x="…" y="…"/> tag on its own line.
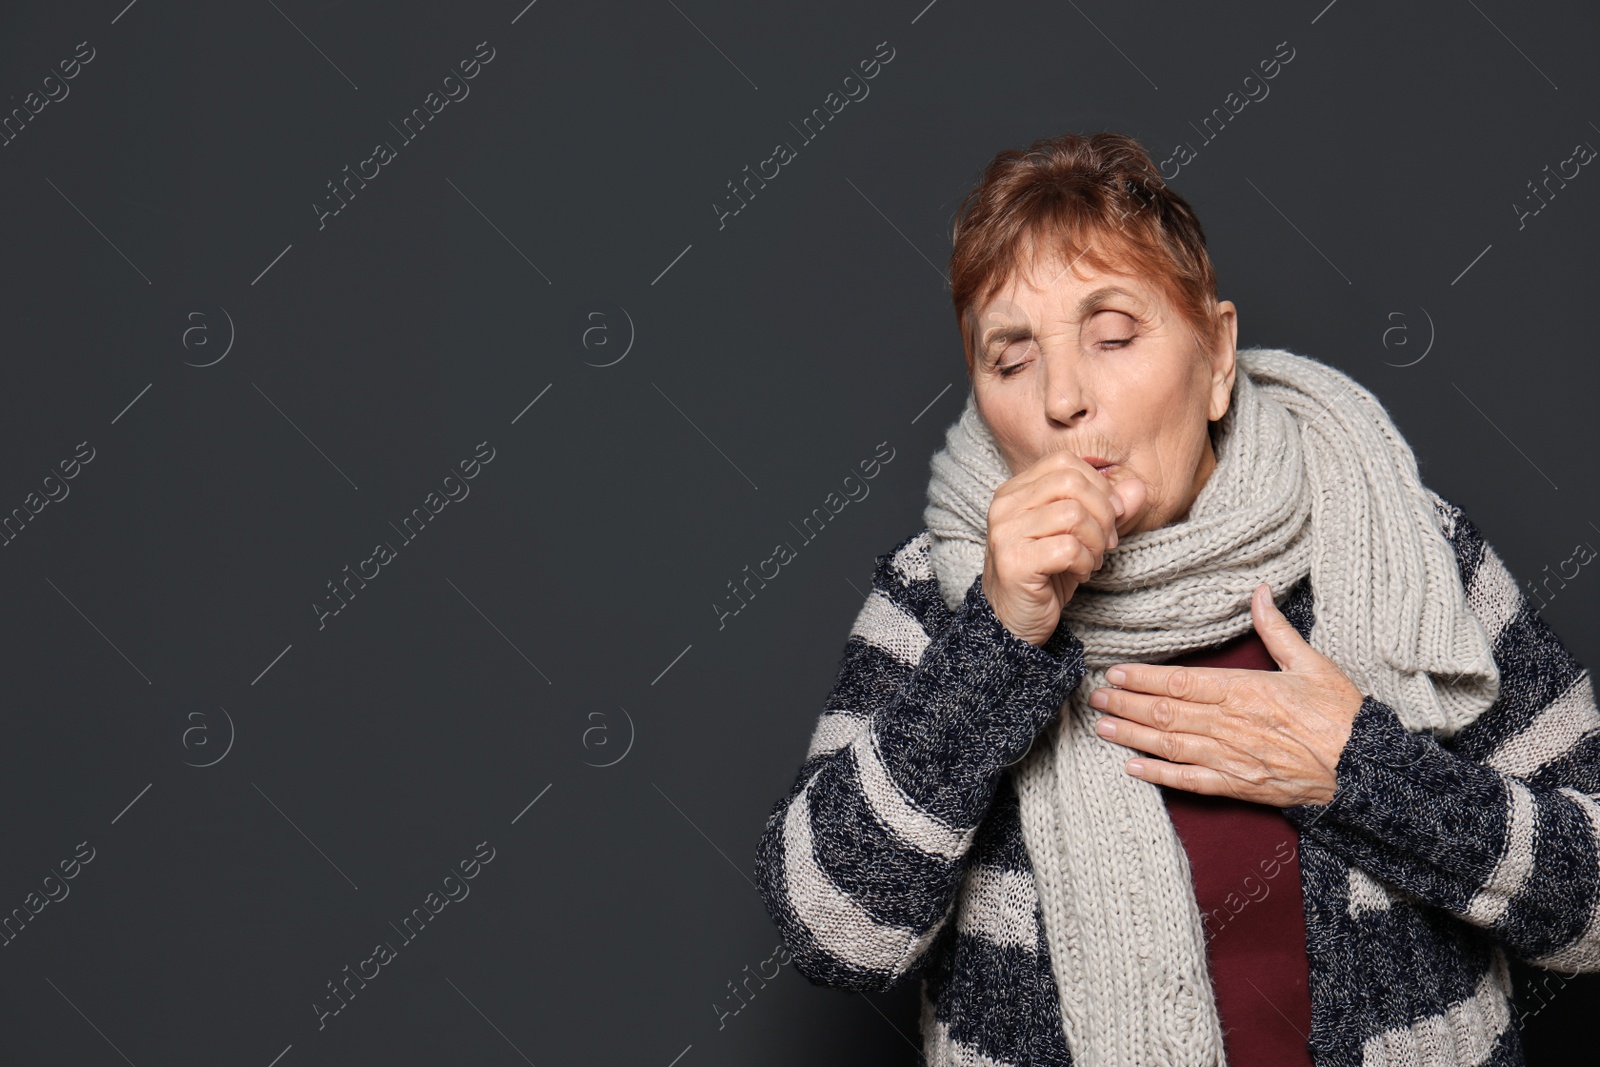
<point x="1223" y="362"/>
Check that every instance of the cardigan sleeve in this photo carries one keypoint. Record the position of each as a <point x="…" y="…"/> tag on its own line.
<point x="1500" y="824"/>
<point x="860" y="863"/>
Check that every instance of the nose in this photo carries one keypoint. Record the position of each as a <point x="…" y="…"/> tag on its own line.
<point x="1066" y="394"/>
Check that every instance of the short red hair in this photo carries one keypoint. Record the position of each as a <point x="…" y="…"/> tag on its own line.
<point x="1098" y="197"/>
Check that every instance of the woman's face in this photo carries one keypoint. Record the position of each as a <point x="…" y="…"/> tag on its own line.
<point x="1104" y="368"/>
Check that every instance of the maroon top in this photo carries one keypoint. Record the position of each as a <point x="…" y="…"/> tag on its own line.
<point x="1245" y="862"/>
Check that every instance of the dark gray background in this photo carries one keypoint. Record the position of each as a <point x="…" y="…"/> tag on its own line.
<point x="562" y="615"/>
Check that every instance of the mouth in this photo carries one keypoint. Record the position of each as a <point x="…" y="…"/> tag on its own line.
<point x="1101" y="464"/>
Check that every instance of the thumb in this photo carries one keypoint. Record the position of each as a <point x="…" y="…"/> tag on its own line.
<point x="1132" y="494"/>
<point x="1289" y="650"/>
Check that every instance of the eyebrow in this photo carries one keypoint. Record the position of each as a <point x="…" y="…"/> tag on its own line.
<point x="1086" y="306"/>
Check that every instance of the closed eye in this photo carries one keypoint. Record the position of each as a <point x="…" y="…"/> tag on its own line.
<point x="1013" y="369"/>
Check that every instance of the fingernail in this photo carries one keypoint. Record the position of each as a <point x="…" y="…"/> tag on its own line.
<point x="1106" y="728"/>
<point x="1116" y="503"/>
<point x="1115" y="675"/>
<point x="1113" y="538"/>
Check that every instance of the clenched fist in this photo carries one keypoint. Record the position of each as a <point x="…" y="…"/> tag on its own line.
<point x="1049" y="530"/>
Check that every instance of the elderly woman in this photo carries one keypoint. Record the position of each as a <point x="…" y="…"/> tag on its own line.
<point x="1192" y="729"/>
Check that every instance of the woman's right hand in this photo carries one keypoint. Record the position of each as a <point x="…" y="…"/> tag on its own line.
<point x="1049" y="530"/>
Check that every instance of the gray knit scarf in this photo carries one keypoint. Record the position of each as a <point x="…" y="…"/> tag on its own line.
<point x="1311" y="477"/>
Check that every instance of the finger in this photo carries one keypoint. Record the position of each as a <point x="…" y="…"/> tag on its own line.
<point x="1133" y="492"/>
<point x="1069" y="516"/>
<point x="1053" y="465"/>
<point x="1158" y="711"/>
<point x="1071" y="519"/>
<point x="1082" y="482"/>
<point x="1185" y="776"/>
<point x="1060" y="554"/>
<point x="1200" y="685"/>
<point x="1060" y="459"/>
<point x="1287" y="648"/>
<point x="1068" y="478"/>
<point x="1173" y="746"/>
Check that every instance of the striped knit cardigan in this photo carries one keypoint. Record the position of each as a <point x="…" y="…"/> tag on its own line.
<point x="1434" y="860"/>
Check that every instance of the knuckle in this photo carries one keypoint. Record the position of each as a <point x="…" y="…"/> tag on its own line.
<point x="1072" y="483"/>
<point x="1171" y="747"/>
<point x="1163" y="714"/>
<point x="1180" y="683"/>
<point x="1189" y="778"/>
<point x="1252" y="774"/>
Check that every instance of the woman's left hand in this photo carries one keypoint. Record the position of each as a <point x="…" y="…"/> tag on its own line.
<point x="1270" y="737"/>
